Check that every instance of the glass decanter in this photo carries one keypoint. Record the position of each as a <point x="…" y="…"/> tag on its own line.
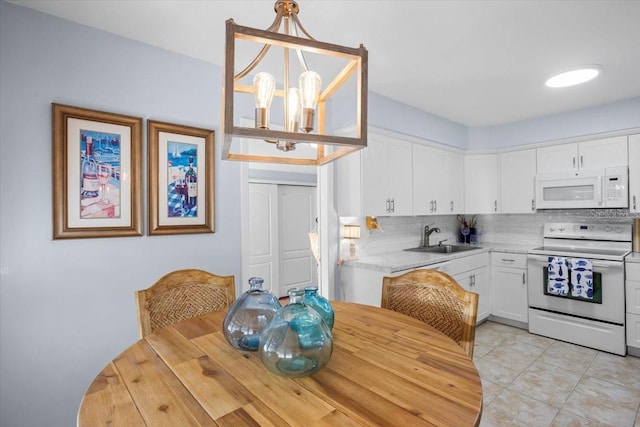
<point x="320" y="304"/>
<point x="249" y="315"/>
<point x="296" y="342"/>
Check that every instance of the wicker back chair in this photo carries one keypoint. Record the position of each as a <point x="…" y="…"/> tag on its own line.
<point x="437" y="299"/>
<point x="181" y="295"/>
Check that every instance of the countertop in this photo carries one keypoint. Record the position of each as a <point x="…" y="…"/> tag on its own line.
<point x="394" y="261"/>
<point x="633" y="257"/>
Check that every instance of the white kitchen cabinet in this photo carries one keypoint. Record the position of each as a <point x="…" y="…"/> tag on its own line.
<point x="438" y="184"/>
<point x="428" y="175"/>
<point x="632" y="289"/>
<point x="364" y="286"/>
<point x="593" y="154"/>
<point x="517" y="181"/>
<point x="509" y="286"/>
<point x="634" y="173"/>
<point x="455" y="183"/>
<point x="481" y="178"/>
<point x="387" y="177"/>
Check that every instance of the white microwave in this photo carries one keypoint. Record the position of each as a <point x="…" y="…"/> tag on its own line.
<point x="587" y="188"/>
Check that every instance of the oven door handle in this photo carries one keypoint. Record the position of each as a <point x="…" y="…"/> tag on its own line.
<point x="600" y="264"/>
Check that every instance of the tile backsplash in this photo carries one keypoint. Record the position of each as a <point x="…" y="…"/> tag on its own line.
<point x="522" y="229"/>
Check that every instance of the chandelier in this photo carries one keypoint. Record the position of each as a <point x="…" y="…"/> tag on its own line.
<point x="299" y="133"/>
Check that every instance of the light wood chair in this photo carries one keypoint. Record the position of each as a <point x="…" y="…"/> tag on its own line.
<point x="437" y="299"/>
<point x="181" y="295"/>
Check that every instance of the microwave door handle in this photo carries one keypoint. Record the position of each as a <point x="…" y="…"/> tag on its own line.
<point x="599" y="190"/>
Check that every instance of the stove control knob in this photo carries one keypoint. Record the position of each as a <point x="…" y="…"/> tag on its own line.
<point x="607" y="229"/>
<point x="561" y="228"/>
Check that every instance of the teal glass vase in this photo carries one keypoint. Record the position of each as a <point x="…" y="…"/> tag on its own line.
<point x="248" y="316"/>
<point x="296" y="342"/>
<point x="320" y="304"/>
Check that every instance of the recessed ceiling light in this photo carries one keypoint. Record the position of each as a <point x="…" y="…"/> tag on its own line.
<point x="575" y="76"/>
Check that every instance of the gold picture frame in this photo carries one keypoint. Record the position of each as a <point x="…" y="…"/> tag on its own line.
<point x="180" y="179"/>
<point x="96" y="173"/>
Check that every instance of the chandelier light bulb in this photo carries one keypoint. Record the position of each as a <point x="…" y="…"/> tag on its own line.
<point x="310" y="85"/>
<point x="293" y="105"/>
<point x="264" y="86"/>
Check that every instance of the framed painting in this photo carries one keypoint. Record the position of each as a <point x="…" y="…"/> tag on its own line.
<point x="96" y="173"/>
<point x="181" y="179"/>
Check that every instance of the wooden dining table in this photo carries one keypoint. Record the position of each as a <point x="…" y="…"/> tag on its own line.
<point x="386" y="369"/>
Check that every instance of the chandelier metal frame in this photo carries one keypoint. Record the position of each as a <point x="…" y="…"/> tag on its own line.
<point x="356" y="63"/>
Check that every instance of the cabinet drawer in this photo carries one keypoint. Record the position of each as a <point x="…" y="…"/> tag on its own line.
<point x="632" y="270"/>
<point x="505" y="259"/>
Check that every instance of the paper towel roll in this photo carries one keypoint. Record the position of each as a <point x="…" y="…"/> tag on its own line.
<point x="636" y="235"/>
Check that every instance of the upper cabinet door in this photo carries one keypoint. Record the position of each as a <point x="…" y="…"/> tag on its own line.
<point x="602" y="153"/>
<point x="517" y="176"/>
<point x="598" y="153"/>
<point x="428" y="179"/>
<point x="387" y="178"/>
<point x="634" y="173"/>
<point x="454" y="185"/>
<point x="555" y="158"/>
<point x="481" y="183"/>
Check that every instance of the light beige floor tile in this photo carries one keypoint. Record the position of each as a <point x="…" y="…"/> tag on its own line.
<point x="536" y="340"/>
<point x="514" y="355"/>
<point x="493" y="334"/>
<point x="515" y="406"/>
<point x="480" y="351"/>
<point x="567" y="419"/>
<point x="604" y="402"/>
<point x="495" y="417"/>
<point x="489" y="391"/>
<point x="569" y="356"/>
<point x="548" y="383"/>
<point x="624" y="371"/>
<point x="495" y="372"/>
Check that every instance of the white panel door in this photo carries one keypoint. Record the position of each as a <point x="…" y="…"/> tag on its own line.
<point x="297" y="217"/>
<point x="264" y="260"/>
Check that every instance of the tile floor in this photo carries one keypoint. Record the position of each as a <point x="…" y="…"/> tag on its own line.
<point x="529" y="380"/>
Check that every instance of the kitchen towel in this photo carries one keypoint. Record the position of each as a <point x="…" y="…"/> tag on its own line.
<point x="558" y="280"/>
<point x="581" y="278"/>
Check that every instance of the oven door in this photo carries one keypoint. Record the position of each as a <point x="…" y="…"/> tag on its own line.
<point x="608" y="306"/>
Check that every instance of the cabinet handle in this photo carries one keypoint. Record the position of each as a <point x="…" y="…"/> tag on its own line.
<point x="393" y="205"/>
<point x="634" y="198"/>
<point x="495" y="206"/>
<point x="431" y="206"/>
<point x="581" y="161"/>
<point x="388" y="206"/>
<point x="533" y="204"/>
<point x="435" y="206"/>
<point x="508" y="260"/>
<point x="524" y="279"/>
<point x="574" y="162"/>
<point x="634" y="203"/>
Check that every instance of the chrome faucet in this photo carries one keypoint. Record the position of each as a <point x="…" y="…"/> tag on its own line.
<point x="427" y="232"/>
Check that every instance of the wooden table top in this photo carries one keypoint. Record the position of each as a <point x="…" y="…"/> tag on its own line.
<point x="386" y="369"/>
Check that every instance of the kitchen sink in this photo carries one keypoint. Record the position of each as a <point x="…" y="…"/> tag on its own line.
<point x="444" y="249"/>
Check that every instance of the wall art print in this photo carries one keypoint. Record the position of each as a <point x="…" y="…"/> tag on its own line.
<point x="96" y="173"/>
<point x="181" y="188"/>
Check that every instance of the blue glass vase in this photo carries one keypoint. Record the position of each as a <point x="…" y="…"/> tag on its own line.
<point x="296" y="342"/>
<point x="320" y="304"/>
<point x="248" y="316"/>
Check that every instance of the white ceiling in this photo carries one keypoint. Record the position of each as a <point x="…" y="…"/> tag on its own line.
<point x="477" y="63"/>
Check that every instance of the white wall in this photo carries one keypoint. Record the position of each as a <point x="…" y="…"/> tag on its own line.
<point x="67" y="306"/>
